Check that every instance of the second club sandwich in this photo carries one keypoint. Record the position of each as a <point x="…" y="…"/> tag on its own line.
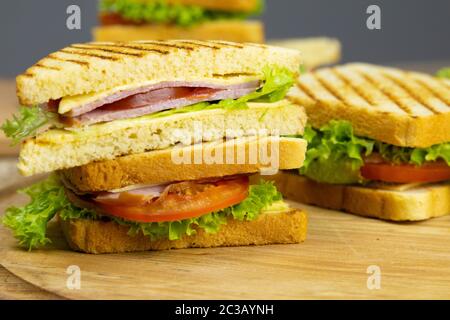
<point x="378" y="142"/>
<point x="111" y="120"/>
<point x="127" y="20"/>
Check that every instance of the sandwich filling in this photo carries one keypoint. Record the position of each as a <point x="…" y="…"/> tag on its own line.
<point x="143" y="99"/>
<point x="132" y="12"/>
<point x="168" y="211"/>
<point x="336" y="156"/>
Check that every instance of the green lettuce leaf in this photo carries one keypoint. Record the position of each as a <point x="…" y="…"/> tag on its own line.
<point x="444" y="73"/>
<point x="29" y="223"/>
<point x="416" y="156"/>
<point x="26" y="123"/>
<point x="160" y="11"/>
<point x="334" y="153"/>
<point x="260" y="196"/>
<point x="277" y="82"/>
<point x="47" y="198"/>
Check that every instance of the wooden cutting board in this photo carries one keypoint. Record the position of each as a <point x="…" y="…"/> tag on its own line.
<point x="413" y="260"/>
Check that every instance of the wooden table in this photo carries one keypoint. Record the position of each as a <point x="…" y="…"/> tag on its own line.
<point x="12" y="287"/>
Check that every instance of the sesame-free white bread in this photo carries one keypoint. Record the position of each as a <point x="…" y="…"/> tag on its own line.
<point x="93" y="67"/>
<point x="397" y="204"/>
<point x="62" y="149"/>
<point x="228" y="30"/>
<point x="93" y="236"/>
<point x="315" y="51"/>
<point x="402" y="108"/>
<point x="200" y="161"/>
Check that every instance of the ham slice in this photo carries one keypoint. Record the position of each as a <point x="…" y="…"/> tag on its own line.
<point x="150" y="192"/>
<point x="171" y="84"/>
<point x="156" y="103"/>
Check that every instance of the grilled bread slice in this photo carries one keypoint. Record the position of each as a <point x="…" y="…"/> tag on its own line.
<point x="94" y="67"/>
<point x="315" y="51"/>
<point x="402" y="108"/>
<point x="214" y="159"/>
<point x="228" y="30"/>
<point x="58" y="149"/>
<point x="97" y="237"/>
<point x="402" y="203"/>
<point x="229" y="5"/>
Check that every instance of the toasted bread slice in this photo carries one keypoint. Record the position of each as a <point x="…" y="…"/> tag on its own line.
<point x="109" y="237"/>
<point x="228" y="30"/>
<point x="236" y="156"/>
<point x="94" y="67"/>
<point x="407" y="109"/>
<point x="62" y="149"/>
<point x="229" y="5"/>
<point x="408" y="204"/>
<point x="315" y="51"/>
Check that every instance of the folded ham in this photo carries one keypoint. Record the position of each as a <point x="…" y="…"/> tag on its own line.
<point x="152" y="99"/>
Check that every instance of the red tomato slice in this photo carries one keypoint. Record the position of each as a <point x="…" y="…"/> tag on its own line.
<point x="406" y="173"/>
<point x="158" y="95"/>
<point x="176" y="206"/>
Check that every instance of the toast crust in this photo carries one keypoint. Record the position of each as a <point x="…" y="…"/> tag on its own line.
<point x="156" y="167"/>
<point x="316" y="52"/>
<point x="109" y="237"/>
<point x="99" y="66"/>
<point x="228" y="30"/>
<point x="421" y="203"/>
<point x="406" y="109"/>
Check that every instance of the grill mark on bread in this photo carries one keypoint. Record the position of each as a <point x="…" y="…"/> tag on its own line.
<point x="200" y="44"/>
<point x="227" y="44"/>
<point x="307" y="91"/>
<point x="335" y="93"/>
<point x="387" y="93"/>
<point x="167" y="45"/>
<point x="40" y="65"/>
<point x="108" y="50"/>
<point x="119" y="46"/>
<point x="411" y="93"/>
<point x="361" y="93"/>
<point x="80" y="62"/>
<point x="436" y="93"/>
<point x="89" y="54"/>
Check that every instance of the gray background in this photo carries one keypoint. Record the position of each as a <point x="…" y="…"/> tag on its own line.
<point x="412" y="30"/>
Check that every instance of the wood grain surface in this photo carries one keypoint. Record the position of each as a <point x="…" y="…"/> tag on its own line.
<point x="414" y="260"/>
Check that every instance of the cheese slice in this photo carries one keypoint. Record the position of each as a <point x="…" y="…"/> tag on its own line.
<point x="70" y="103"/>
<point x="58" y="136"/>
